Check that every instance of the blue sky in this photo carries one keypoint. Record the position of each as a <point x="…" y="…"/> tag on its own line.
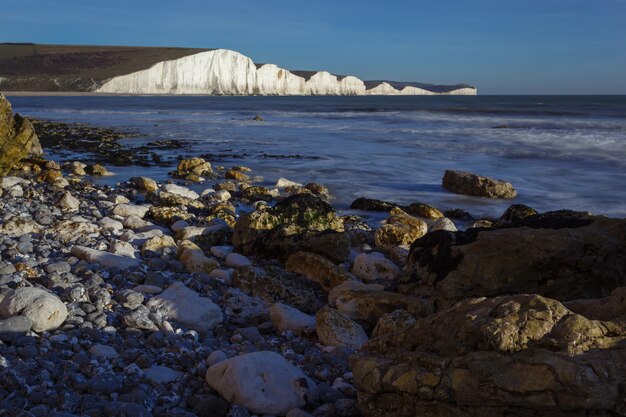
<point x="501" y="46"/>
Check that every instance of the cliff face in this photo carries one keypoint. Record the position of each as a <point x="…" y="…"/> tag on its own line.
<point x="222" y="72"/>
<point x="225" y="72"/>
<point x="273" y="80"/>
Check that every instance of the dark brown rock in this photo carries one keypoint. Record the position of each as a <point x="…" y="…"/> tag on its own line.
<point x="276" y="285"/>
<point x="560" y="255"/>
<point x="461" y="182"/>
<point x="521" y="355"/>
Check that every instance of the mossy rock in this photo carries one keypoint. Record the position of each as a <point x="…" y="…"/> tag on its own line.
<point x="293" y="223"/>
<point x="17" y="137"/>
<point x="424" y="210"/>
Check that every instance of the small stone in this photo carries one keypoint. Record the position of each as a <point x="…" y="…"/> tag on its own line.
<point x="130" y="299"/>
<point x="162" y="246"/>
<point x="443" y="224"/>
<point x="110" y="224"/>
<point x="336" y="329"/>
<point x="287" y="318"/>
<point x="181" y="191"/>
<point x="109" y="260"/>
<point x="61" y="267"/>
<point x="144" y="183"/>
<point x="14" y="327"/>
<point x="373" y="267"/>
<point x="103" y="352"/>
<point x="186" y="306"/>
<point x="25" y="247"/>
<point x="424" y="210"/>
<point x="148" y="289"/>
<point x="97" y="170"/>
<point x="68" y="202"/>
<point x="44" y="309"/>
<point x="179" y="225"/>
<point x="284" y="183"/>
<point x="221" y="251"/>
<point x="161" y="374"/>
<point x="194" y="259"/>
<point x="104" y="383"/>
<point x="126" y="210"/>
<point x="461" y="182"/>
<point x="235" y="260"/>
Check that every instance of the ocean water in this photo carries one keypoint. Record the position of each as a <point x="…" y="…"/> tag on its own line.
<point x="558" y="151"/>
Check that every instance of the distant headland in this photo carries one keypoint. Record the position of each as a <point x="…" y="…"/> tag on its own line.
<point x="165" y="70"/>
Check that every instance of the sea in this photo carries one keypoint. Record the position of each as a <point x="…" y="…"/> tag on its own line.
<point x="559" y="152"/>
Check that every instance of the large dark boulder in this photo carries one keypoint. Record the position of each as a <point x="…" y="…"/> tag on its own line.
<point x="521" y="355"/>
<point x="561" y="255"/>
<point x="17" y="137"/>
<point x="300" y="222"/>
<point x="462" y="182"/>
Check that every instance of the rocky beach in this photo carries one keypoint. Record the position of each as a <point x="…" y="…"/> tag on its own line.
<point x="210" y="295"/>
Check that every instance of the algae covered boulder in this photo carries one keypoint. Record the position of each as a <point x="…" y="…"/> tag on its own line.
<point x="561" y="255"/>
<point x="461" y="182"/>
<point x="299" y="222"/>
<point x="17" y="137"/>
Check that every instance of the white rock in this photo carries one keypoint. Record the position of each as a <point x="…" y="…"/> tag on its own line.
<point x="236" y="260"/>
<point x="284" y="182"/>
<point x="118" y="199"/>
<point x="222" y="195"/>
<point x="10" y="182"/>
<point x="263" y="382"/>
<point x="219" y="72"/>
<point x="125" y="210"/>
<point x="106" y="259"/>
<point x="161" y="374"/>
<point x="135" y="223"/>
<point x="207" y="192"/>
<point x="184" y="305"/>
<point x="44" y="309"/>
<point x="273" y="80"/>
<point x="221" y="251"/>
<point x="374" y="266"/>
<point x="16" y="191"/>
<point x="225" y="72"/>
<point x="287" y="318"/>
<point x="17" y="226"/>
<point x="119" y="247"/>
<point x="443" y="224"/>
<point x="110" y="224"/>
<point x="61" y="183"/>
<point x="336" y="329"/>
<point x="68" y="202"/>
<point x="182" y="191"/>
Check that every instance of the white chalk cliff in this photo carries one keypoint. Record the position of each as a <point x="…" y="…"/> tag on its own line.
<point x="225" y="72"/>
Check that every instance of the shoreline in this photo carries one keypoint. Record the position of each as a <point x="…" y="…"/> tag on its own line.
<point x="161" y="299"/>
